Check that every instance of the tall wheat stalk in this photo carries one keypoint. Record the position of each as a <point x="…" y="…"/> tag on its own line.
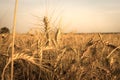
<point x="47" y="29"/>
<point x="13" y="39"/>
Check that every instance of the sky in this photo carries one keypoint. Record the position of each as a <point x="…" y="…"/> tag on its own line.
<point x="73" y="15"/>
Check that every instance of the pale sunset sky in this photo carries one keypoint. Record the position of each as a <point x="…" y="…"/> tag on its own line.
<point x="74" y="15"/>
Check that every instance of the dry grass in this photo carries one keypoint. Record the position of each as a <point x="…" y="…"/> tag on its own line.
<point x="79" y="57"/>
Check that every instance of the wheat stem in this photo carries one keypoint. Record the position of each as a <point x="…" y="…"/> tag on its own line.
<point x="13" y="39"/>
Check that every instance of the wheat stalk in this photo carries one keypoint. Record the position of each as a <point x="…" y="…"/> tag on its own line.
<point x="40" y="51"/>
<point x="47" y="29"/>
<point x="13" y="41"/>
<point x="59" y="58"/>
<point x="57" y="36"/>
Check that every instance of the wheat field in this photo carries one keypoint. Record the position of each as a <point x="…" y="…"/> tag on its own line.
<point x="74" y="56"/>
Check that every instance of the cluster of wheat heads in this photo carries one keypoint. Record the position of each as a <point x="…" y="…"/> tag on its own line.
<point x="27" y="49"/>
<point x="47" y="30"/>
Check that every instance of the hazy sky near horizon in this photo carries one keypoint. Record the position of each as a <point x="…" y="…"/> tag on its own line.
<point x="75" y="15"/>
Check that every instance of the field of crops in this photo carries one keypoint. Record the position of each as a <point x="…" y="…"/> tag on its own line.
<point x="86" y="56"/>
